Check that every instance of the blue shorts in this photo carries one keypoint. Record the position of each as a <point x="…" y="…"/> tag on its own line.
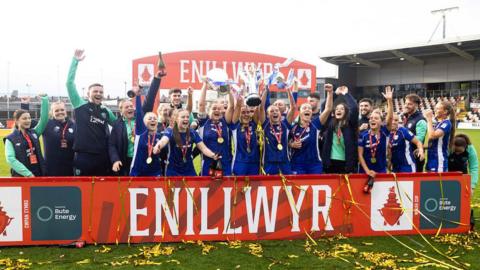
<point x="226" y="166"/>
<point x="187" y="171"/>
<point x="277" y="167"/>
<point x="243" y="168"/>
<point x="403" y="168"/>
<point x="302" y="168"/>
<point x="434" y="166"/>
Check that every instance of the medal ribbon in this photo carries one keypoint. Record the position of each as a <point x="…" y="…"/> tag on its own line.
<point x="185" y="148"/>
<point x="339" y="134"/>
<point x="278" y="135"/>
<point x="248" y="136"/>
<point x="150" y="144"/>
<point x="373" y="147"/>
<point x="132" y="128"/>
<point x="392" y="138"/>
<point x="218" y="128"/>
<point x="297" y="138"/>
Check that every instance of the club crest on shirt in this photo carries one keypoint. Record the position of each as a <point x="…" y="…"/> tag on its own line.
<point x="35" y="135"/>
<point x="70" y="130"/>
<point x="56" y="129"/>
<point x="104" y="115"/>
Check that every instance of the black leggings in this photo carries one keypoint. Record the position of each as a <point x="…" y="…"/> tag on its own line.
<point x="336" y="166"/>
<point x="86" y="164"/>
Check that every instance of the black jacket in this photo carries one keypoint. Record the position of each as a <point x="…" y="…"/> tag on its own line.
<point x="118" y="140"/>
<point x="349" y="132"/>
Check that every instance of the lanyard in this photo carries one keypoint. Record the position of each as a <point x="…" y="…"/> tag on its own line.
<point x="29" y="142"/>
<point x="64" y="129"/>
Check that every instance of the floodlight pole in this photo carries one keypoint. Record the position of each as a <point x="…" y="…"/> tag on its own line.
<point x="443" y="19"/>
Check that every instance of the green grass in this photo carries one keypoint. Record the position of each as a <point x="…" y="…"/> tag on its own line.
<point x="275" y="253"/>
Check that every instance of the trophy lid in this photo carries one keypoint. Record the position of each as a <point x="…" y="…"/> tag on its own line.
<point x="217" y="76"/>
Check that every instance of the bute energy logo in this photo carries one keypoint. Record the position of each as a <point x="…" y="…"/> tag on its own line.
<point x="56" y="213"/>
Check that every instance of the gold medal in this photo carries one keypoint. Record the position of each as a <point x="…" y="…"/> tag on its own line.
<point x="220" y="140"/>
<point x="279" y="147"/>
<point x="132" y="139"/>
<point x="373" y="160"/>
<point x="149" y="160"/>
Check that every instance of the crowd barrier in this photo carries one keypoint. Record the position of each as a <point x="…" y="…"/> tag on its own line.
<point x="60" y="210"/>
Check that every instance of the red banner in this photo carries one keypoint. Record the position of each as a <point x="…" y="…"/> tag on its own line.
<point x="44" y="211"/>
<point x="186" y="69"/>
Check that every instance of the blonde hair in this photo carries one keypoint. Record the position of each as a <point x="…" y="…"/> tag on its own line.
<point x="56" y="103"/>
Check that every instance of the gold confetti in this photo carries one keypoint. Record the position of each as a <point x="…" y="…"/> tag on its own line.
<point x="12" y="264"/>
<point x="85" y="261"/>
<point x="255" y="249"/>
<point x="292" y="256"/>
<point x="104" y="249"/>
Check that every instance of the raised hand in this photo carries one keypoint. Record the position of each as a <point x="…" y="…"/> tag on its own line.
<point x="190" y="91"/>
<point x="25" y="99"/>
<point x="328" y="88"/>
<point x="428" y="114"/>
<point x="161" y="73"/>
<point x="388" y="95"/>
<point x="79" y="55"/>
<point x="240" y="100"/>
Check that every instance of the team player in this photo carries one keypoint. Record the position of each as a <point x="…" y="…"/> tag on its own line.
<point x="339" y="151"/>
<point x="416" y="123"/>
<point x="180" y="140"/>
<point x="58" y="140"/>
<point x="246" y="152"/>
<point x="440" y="136"/>
<point x="145" y="161"/>
<point x="22" y="147"/>
<point x="372" y="145"/>
<point x="122" y="138"/>
<point x="303" y="139"/>
<point x="92" y="120"/>
<point x="400" y="143"/>
<point x="275" y="158"/>
<point x="214" y="131"/>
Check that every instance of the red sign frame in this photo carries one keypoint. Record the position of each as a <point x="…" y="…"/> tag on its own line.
<point x="134" y="210"/>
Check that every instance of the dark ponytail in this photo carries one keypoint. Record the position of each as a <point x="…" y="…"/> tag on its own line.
<point x="452" y="117"/>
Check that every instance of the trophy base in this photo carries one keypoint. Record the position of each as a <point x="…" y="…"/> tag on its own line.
<point x="253" y="100"/>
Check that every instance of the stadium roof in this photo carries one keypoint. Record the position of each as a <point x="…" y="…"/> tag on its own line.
<point x="467" y="47"/>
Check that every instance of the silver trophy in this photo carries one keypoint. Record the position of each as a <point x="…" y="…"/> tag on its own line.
<point x="218" y="80"/>
<point x="277" y="78"/>
<point x="252" y="77"/>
